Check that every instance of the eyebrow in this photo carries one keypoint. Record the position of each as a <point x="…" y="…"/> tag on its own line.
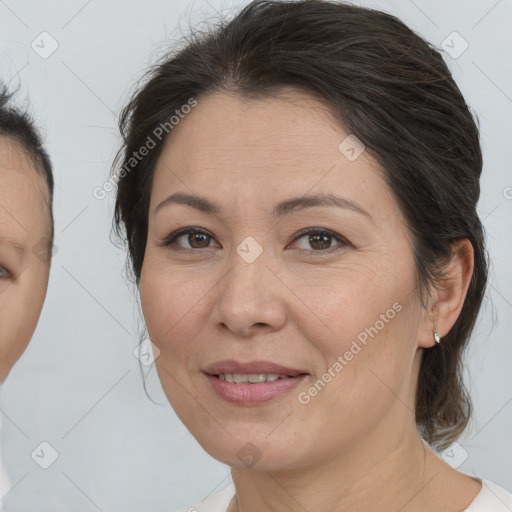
<point x="280" y="210"/>
<point x="14" y="244"/>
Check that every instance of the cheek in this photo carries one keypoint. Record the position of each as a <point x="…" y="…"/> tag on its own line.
<point x="350" y="303"/>
<point x="33" y="295"/>
<point x="20" y="307"/>
<point x="368" y="348"/>
<point x="173" y="305"/>
<point x="172" y="310"/>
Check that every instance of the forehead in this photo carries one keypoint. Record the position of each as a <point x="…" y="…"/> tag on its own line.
<point x="270" y="147"/>
<point x="13" y="155"/>
<point x="14" y="158"/>
<point x="229" y="136"/>
<point x="23" y="193"/>
<point x="288" y="120"/>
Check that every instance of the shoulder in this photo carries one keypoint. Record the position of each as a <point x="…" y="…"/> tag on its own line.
<point x="492" y="498"/>
<point x="217" y="502"/>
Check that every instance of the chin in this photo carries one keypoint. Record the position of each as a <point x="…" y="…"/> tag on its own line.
<point x="259" y="455"/>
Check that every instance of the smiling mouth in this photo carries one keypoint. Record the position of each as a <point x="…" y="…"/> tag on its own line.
<point x="253" y="389"/>
<point x="253" y="378"/>
<point x="253" y="383"/>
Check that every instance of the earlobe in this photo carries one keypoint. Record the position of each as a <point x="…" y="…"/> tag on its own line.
<point x="450" y="293"/>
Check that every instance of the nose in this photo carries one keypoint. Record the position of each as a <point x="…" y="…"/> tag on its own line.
<point x="251" y="297"/>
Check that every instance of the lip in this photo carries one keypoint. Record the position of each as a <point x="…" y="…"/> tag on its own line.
<point x="232" y="366"/>
<point x="253" y="394"/>
<point x="247" y="394"/>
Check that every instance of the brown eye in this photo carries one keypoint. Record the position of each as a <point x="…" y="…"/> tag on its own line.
<point x="198" y="240"/>
<point x="188" y="239"/>
<point x="320" y="240"/>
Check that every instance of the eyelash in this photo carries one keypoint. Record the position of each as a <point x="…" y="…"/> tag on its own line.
<point x="169" y="241"/>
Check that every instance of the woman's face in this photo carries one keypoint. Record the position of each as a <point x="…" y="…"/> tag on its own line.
<point x="252" y="289"/>
<point x="24" y="252"/>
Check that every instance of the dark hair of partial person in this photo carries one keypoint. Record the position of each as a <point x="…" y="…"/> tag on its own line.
<point x="18" y="125"/>
<point x="383" y="83"/>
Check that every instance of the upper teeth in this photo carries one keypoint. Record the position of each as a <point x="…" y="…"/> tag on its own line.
<point x="238" y="378"/>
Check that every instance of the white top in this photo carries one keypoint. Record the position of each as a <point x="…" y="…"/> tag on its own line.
<point x="492" y="498"/>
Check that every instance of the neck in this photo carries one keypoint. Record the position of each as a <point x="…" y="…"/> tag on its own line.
<point x="395" y="475"/>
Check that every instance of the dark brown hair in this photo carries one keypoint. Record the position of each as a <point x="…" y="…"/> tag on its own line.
<point x="386" y="85"/>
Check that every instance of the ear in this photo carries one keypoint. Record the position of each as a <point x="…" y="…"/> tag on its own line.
<point x="448" y="296"/>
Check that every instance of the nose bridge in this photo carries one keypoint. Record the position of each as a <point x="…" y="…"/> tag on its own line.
<point x="248" y="293"/>
<point x="248" y="263"/>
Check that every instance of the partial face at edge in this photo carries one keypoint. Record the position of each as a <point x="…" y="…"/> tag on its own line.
<point x="25" y="227"/>
<point x="301" y="303"/>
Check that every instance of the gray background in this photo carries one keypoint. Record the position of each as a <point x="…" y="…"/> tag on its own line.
<point x="78" y="386"/>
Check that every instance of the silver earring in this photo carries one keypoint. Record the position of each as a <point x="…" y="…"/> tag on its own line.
<point x="436" y="337"/>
